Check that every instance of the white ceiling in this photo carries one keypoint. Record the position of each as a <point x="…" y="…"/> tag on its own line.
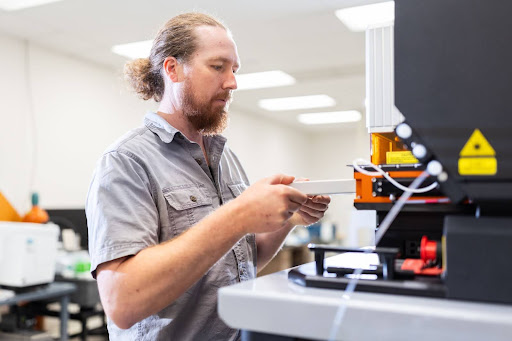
<point x="301" y="37"/>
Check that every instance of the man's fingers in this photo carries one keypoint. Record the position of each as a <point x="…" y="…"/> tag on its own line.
<point x="314" y="213"/>
<point x="324" y="199"/>
<point x="315" y="206"/>
<point x="307" y="218"/>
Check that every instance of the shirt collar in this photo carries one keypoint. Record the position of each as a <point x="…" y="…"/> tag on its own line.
<point x="160" y="127"/>
<point x="166" y="132"/>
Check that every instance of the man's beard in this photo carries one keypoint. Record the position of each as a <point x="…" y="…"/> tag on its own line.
<point x="203" y="116"/>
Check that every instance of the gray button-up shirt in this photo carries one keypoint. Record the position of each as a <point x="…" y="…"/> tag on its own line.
<point x="150" y="186"/>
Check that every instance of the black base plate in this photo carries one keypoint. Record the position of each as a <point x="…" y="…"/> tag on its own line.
<point x="422" y="286"/>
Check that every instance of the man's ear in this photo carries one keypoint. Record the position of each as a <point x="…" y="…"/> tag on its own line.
<point x="173" y="69"/>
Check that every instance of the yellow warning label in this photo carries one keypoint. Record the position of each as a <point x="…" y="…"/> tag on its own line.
<point x="396" y="158"/>
<point x="478" y="166"/>
<point x="478" y="157"/>
<point x="477" y="145"/>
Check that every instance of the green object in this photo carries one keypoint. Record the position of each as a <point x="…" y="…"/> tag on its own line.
<point x="82" y="267"/>
<point x="35" y="199"/>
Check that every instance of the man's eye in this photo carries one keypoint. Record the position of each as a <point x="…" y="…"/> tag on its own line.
<point x="217" y="67"/>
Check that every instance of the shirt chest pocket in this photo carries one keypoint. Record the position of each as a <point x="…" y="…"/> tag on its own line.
<point x="187" y="205"/>
<point x="235" y="189"/>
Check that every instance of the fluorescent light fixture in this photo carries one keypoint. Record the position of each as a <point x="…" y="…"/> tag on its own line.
<point x="138" y="49"/>
<point x="330" y="117"/>
<point x="267" y="79"/>
<point x="358" y="18"/>
<point x="294" y="103"/>
<point x="14" y="5"/>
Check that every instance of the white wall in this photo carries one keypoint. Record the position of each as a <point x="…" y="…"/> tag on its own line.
<point x="266" y="148"/>
<point x="77" y="110"/>
<point x="15" y="158"/>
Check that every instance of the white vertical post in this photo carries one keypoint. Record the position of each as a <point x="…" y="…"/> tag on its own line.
<point x="381" y="113"/>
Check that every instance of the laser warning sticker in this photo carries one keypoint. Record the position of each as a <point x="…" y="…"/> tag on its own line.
<point x="477" y="145"/>
<point x="478" y="157"/>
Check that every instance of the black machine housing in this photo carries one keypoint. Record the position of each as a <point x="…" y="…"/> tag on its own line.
<point x="453" y="75"/>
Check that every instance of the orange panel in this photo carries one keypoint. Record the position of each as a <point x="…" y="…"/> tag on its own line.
<point x="364" y="187"/>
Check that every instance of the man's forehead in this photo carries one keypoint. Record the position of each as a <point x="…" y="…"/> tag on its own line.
<point x="216" y="43"/>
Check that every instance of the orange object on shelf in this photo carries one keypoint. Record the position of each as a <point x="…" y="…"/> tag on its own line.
<point x="7" y="211"/>
<point x="383" y="143"/>
<point x="36" y="213"/>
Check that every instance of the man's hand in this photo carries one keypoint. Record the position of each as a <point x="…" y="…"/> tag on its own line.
<point x="268" y="204"/>
<point x="311" y="211"/>
<point x="271" y="195"/>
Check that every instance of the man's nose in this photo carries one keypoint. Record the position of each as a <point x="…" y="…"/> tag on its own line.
<point x="230" y="82"/>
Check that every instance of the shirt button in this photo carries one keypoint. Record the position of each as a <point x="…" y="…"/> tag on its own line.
<point x="199" y="161"/>
<point x="193" y="198"/>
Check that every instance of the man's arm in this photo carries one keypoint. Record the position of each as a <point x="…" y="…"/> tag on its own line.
<point x="133" y="288"/>
<point x="268" y="244"/>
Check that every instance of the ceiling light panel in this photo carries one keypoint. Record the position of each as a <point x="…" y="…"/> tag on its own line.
<point x="358" y="18"/>
<point x="138" y="49"/>
<point x="330" y="117"/>
<point x="267" y="79"/>
<point x="294" y="103"/>
<point x="14" y="5"/>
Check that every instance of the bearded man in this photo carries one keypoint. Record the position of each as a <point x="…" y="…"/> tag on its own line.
<point x="170" y="212"/>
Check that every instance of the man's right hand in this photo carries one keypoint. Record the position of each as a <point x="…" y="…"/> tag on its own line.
<point x="267" y="205"/>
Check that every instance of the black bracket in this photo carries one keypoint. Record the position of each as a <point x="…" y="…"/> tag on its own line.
<point x="387" y="256"/>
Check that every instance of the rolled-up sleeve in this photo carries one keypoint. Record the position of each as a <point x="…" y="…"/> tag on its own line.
<point x="122" y="217"/>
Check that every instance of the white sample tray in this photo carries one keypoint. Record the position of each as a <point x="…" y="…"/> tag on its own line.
<point x="323" y="187"/>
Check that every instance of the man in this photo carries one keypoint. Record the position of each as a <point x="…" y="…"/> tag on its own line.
<point x="170" y="216"/>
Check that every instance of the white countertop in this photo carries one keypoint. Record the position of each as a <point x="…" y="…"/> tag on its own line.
<point x="272" y="304"/>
